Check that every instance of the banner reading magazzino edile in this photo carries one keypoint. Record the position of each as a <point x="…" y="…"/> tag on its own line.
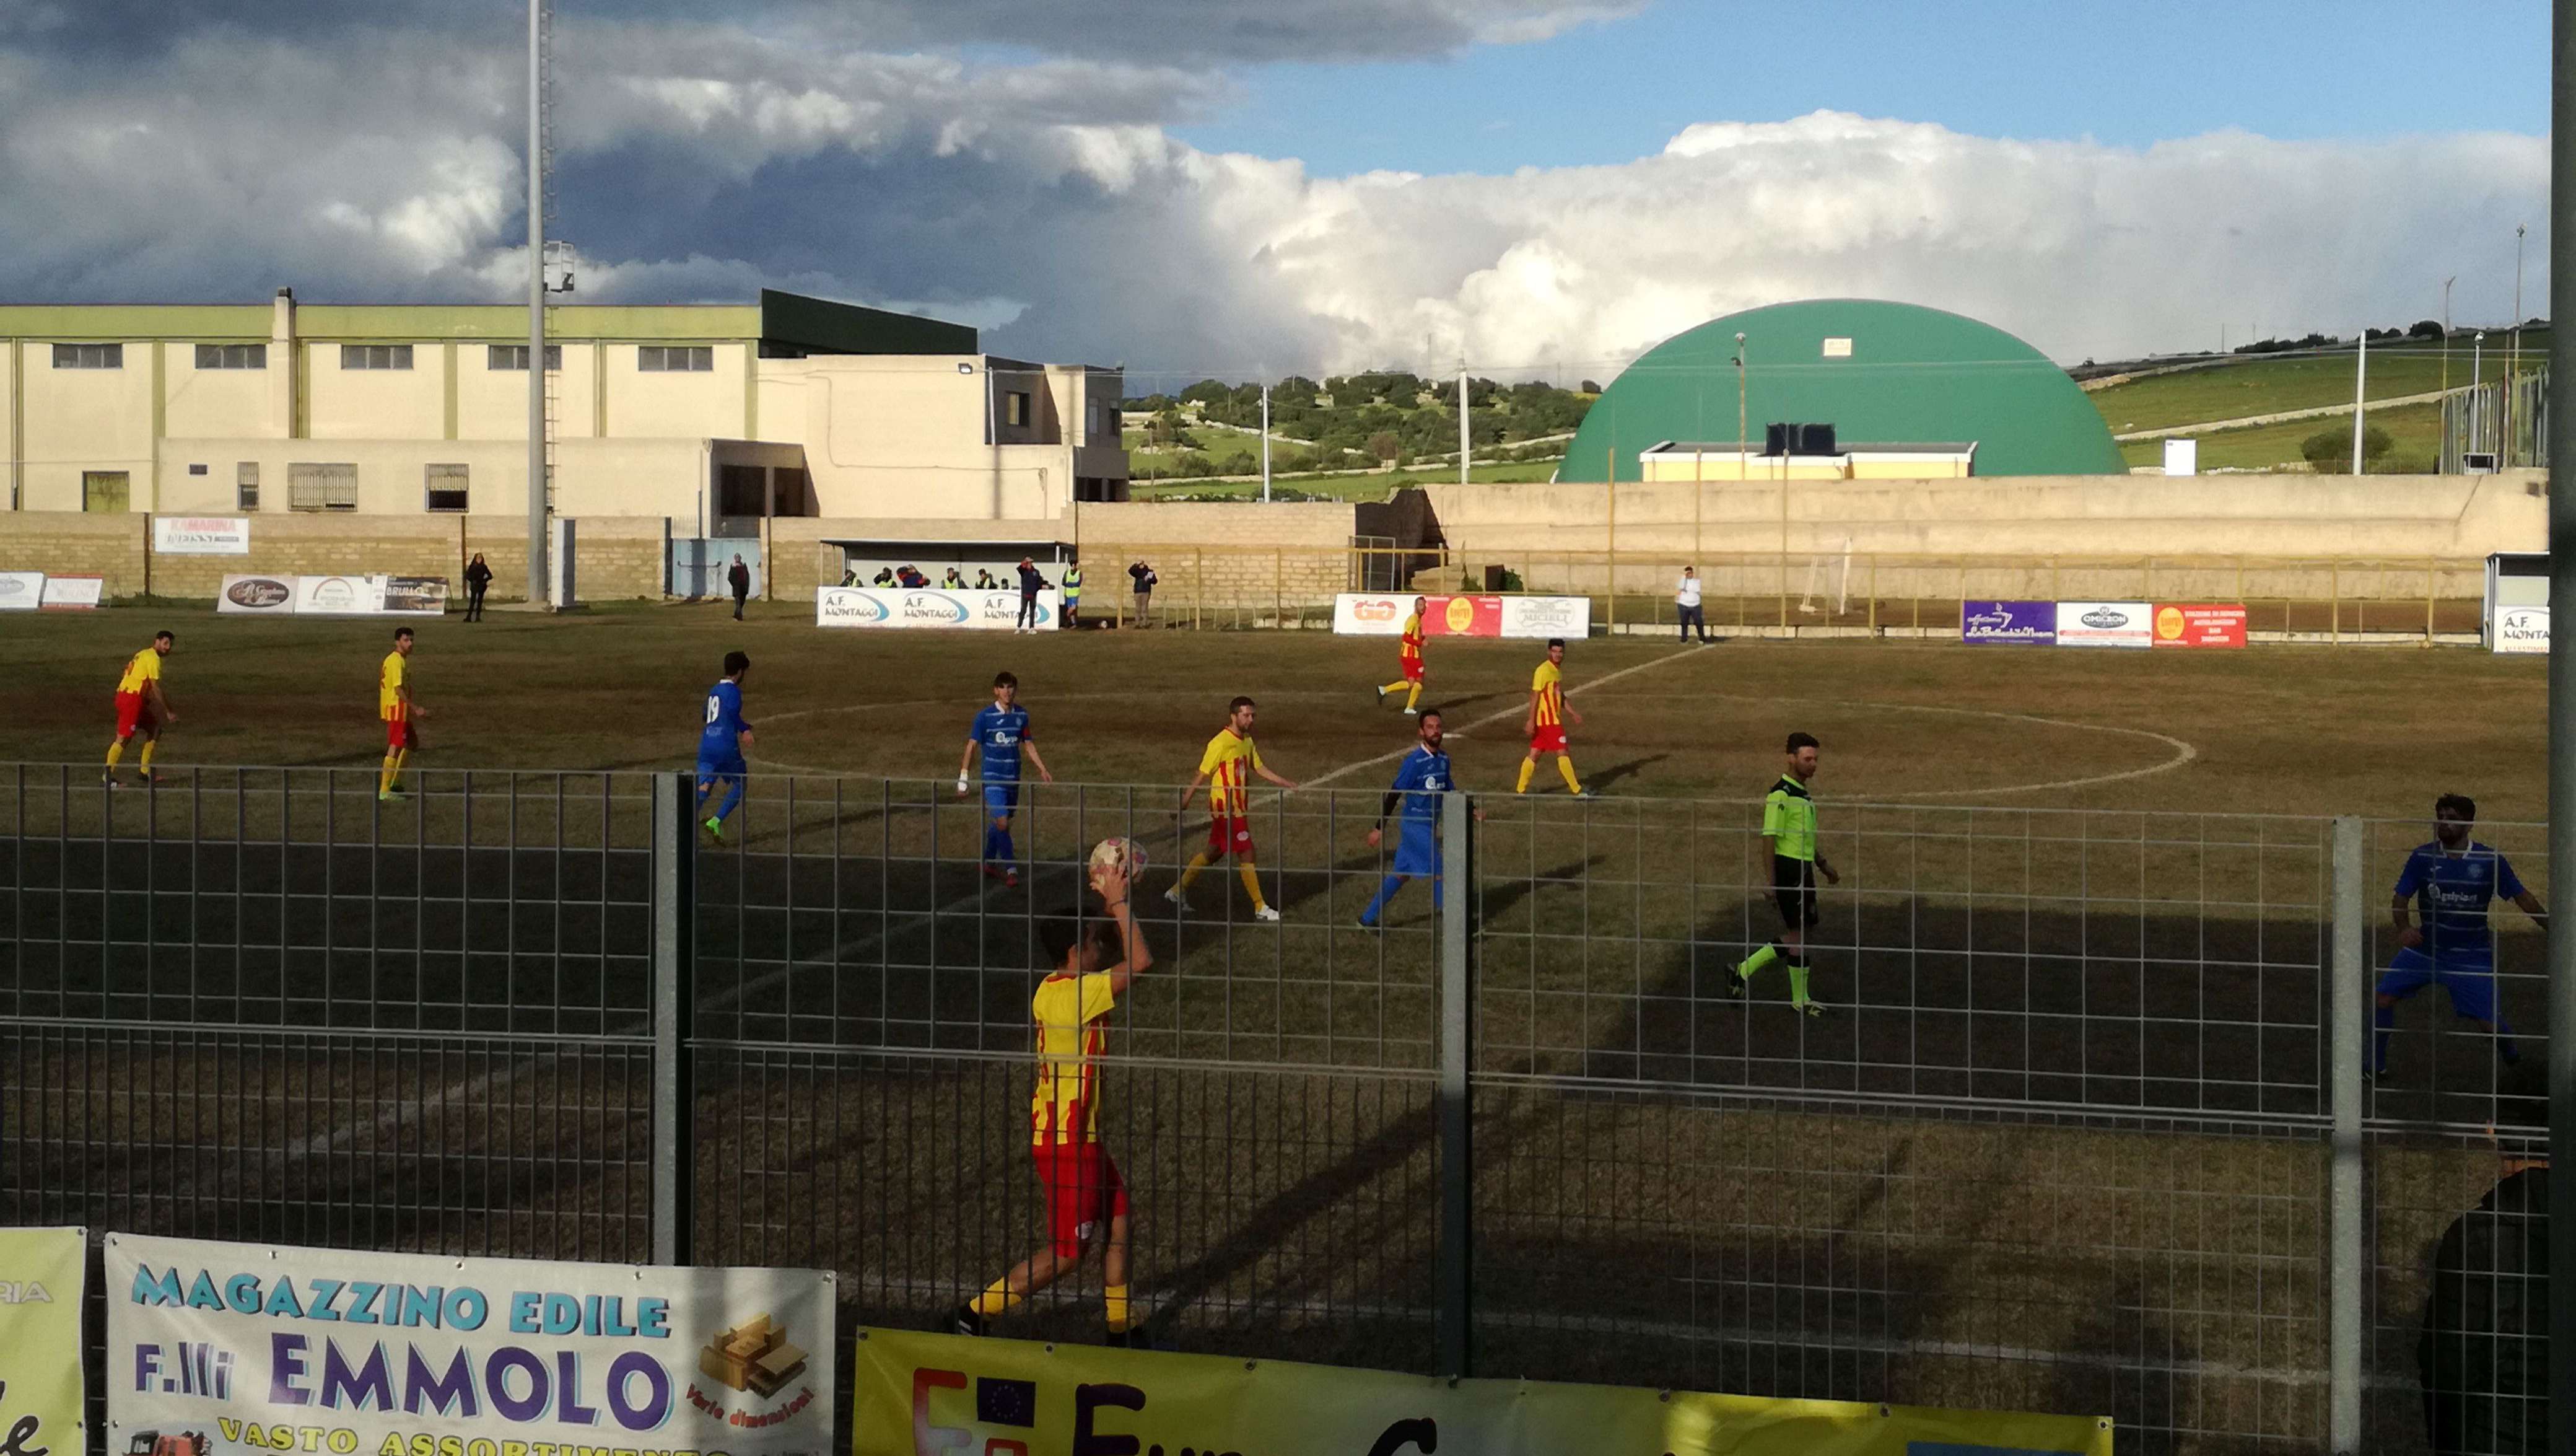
<point x="227" y="1347"/>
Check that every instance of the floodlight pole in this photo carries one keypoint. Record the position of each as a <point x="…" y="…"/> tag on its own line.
<point x="537" y="302"/>
<point x="1265" y="442"/>
<point x="2562" y="733"/>
<point x="2360" y="385"/>
<point x="1462" y="421"/>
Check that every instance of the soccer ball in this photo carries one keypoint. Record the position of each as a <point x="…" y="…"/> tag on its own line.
<point x="1126" y="853"/>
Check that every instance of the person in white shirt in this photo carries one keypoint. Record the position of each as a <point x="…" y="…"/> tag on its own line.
<point x="1686" y="597"/>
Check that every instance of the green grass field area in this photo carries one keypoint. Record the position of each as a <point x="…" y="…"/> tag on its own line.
<point x="2259" y="385"/>
<point x="1369" y="487"/>
<point x="2414" y="430"/>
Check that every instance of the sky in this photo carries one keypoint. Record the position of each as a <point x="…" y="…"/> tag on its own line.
<point x="1248" y="188"/>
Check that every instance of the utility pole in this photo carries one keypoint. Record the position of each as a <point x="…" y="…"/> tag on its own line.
<point x="2360" y="383"/>
<point x="2562" y="732"/>
<point x="2477" y="386"/>
<point x="2442" y="461"/>
<point x="537" y="481"/>
<point x="1743" y="448"/>
<point x="2513" y="350"/>
<point x="1265" y="442"/>
<point x="1462" y="420"/>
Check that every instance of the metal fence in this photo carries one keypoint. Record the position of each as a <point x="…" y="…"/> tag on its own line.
<point x="2085" y="1131"/>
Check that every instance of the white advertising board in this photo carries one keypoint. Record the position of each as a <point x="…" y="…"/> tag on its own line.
<point x="268" y="595"/>
<point x="74" y="593"/>
<point x="21" y="591"/>
<point x="201" y="535"/>
<point x="900" y="607"/>
<point x="1547" y="617"/>
<point x="339" y="596"/>
<point x="2522" y="629"/>
<point x="1369" y="614"/>
<point x="2106" y="624"/>
<point x="369" y="1352"/>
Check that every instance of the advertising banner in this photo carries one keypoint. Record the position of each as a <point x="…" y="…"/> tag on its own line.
<point x="21" y="591"/>
<point x="406" y="595"/>
<point x="894" y="606"/>
<point x="1381" y="614"/>
<point x="2008" y="624"/>
<point x="359" y="1353"/>
<point x="340" y="596"/>
<point x="2211" y="624"/>
<point x="1547" y="617"/>
<point x="201" y="535"/>
<point x="42" y="1281"/>
<point x="273" y="595"/>
<point x="2105" y="624"/>
<point x="916" y="1395"/>
<point x="2522" y="629"/>
<point x="74" y="593"/>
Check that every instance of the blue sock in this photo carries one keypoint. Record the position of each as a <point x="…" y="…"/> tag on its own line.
<point x="1385" y="892"/>
<point x="732" y="798"/>
<point x="1435" y="892"/>
<point x="2386" y="1022"/>
<point x="999" y="844"/>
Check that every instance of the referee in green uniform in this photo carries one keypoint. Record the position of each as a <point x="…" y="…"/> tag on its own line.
<point x="1789" y="823"/>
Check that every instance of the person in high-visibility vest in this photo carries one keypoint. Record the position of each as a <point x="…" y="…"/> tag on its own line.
<point x="1072" y="594"/>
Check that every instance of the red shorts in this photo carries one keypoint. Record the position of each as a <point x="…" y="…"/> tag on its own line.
<point x="134" y="715"/>
<point x="1548" y="738"/>
<point x="1229" y="834"/>
<point x="400" y="732"/>
<point x="1412" y="669"/>
<point x="1083" y="1192"/>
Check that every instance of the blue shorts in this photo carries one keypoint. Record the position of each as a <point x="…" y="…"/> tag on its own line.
<point x="1417" y="850"/>
<point x="2468" y="977"/>
<point x="1001" y="799"/>
<point x="727" y="768"/>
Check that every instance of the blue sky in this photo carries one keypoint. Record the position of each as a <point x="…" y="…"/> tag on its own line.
<point x="2127" y="74"/>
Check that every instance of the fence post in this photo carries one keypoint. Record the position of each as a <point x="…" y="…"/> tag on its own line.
<point x="2344" y="1095"/>
<point x="675" y="853"/>
<point x="1455" y="1271"/>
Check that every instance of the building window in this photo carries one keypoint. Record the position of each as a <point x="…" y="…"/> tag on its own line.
<point x="676" y="358"/>
<point x="246" y="486"/>
<point x="375" y="356"/>
<point x="1015" y="407"/>
<point x="513" y="358"/>
<point x="444" y="488"/>
<point x="232" y="356"/>
<point x="89" y="356"/>
<point x="741" y="490"/>
<point x="311" y="487"/>
<point x="106" y="490"/>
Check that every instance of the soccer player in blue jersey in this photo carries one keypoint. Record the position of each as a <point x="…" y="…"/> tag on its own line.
<point x="2455" y="878"/>
<point x="721" y="742"/>
<point x="1419" y="782"/>
<point x="1001" y="734"/>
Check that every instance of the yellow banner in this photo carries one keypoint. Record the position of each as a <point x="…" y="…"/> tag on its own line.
<point x="928" y="1395"/>
<point x="41" y="1284"/>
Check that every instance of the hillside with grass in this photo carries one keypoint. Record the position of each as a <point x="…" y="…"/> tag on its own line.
<point x="1381" y="422"/>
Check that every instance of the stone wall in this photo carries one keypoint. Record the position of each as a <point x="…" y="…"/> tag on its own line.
<point x="619" y="556"/>
<point x="70" y="543"/>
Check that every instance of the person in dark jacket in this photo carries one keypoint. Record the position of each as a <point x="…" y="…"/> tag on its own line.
<point x="2484" y="1355"/>
<point x="884" y="577"/>
<point x="1032" y="581"/>
<point x="478" y="580"/>
<point x="1144" y="578"/>
<point x="740" y="579"/>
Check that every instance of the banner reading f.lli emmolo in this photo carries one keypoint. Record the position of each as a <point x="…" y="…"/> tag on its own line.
<point x="217" y="1348"/>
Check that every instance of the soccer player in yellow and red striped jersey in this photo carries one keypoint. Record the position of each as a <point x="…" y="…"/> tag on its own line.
<point x="1545" y="722"/>
<point x="1225" y="769"/>
<point x="140" y="708"/>
<point x="1086" y="1199"/>
<point x="1409" y="656"/>
<point x="401" y="714"/>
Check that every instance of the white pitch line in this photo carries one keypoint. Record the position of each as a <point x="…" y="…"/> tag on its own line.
<point x="2183" y="753"/>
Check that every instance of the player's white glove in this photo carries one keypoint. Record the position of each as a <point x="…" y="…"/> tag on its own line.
<point x="961" y="783"/>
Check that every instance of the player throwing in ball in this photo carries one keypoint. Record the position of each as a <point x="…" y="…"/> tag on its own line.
<point x="1409" y="657"/>
<point x="720" y="745"/>
<point x="1001" y="732"/>
<point x="1419" y="782"/>
<point x="1223" y="769"/>
<point x="1086" y="1199"/>
<point x="140" y="708"/>
<point x="2455" y="879"/>
<point x="1545" y="722"/>
<point x="402" y="716"/>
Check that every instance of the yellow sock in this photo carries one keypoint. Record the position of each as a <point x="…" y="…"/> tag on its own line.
<point x="1528" y="767"/>
<point x="1198" y="862"/>
<point x="1251" y="884"/>
<point x="1413" y="699"/>
<point x="1565" y="766"/>
<point x="115" y="751"/>
<point x="996" y="1299"/>
<point x="1391" y="687"/>
<point x="1115" y="1297"/>
<point x="143" y="760"/>
<point x="393" y="771"/>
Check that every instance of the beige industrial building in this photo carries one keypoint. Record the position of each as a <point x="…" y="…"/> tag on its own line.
<point x="707" y="416"/>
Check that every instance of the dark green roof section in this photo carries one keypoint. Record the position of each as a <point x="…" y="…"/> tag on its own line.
<point x="1872" y="369"/>
<point x="825" y="327"/>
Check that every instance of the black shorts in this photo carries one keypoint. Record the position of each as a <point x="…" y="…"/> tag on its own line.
<point x="1793" y="886"/>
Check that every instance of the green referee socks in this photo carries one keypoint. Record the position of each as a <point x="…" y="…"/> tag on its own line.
<point x="1752" y="964"/>
<point x="1798" y="983"/>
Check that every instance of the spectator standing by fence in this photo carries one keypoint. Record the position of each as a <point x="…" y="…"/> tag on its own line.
<point x="739" y="578"/>
<point x="955" y="580"/>
<point x="1686" y="600"/>
<point x="1144" y="578"/>
<point x="1031" y="581"/>
<point x="478" y="580"/>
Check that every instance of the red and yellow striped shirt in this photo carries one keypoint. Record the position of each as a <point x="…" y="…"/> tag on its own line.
<point x="1070" y="1038"/>
<point x="141" y="671"/>
<point x="1548" y="683"/>
<point x="1229" y="757"/>
<point x="1411" y="651"/>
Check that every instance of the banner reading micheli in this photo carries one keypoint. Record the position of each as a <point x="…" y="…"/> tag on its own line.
<point x="42" y="1404"/>
<point x="215" y="1347"/>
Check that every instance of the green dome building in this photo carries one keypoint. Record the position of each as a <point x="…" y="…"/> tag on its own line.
<point x="1886" y="375"/>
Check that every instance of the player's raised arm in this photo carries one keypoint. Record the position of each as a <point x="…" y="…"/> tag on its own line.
<point x="1134" y="955"/>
